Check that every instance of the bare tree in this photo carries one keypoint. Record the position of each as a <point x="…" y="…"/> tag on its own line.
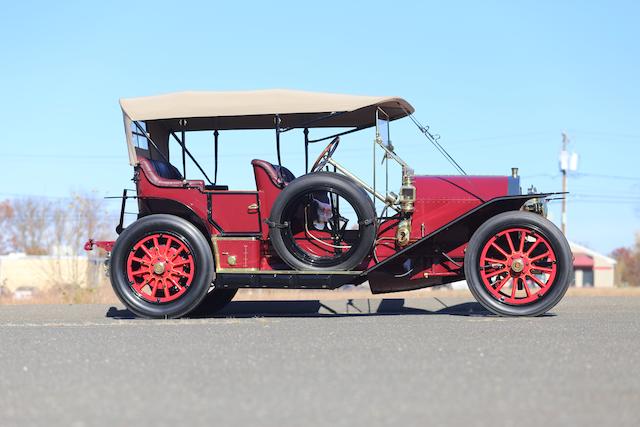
<point x="60" y="225"/>
<point x="37" y="226"/>
<point x="91" y="219"/>
<point x="6" y="215"/>
<point x="79" y="218"/>
<point x="30" y="225"/>
<point x="628" y="264"/>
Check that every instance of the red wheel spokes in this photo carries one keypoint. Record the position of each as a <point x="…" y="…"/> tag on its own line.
<point x="535" y="245"/>
<point x="140" y="260"/>
<point x="493" y="273"/>
<point x="526" y="288"/>
<point x="513" y="249"/>
<point x="539" y="257"/>
<point x="535" y="279"/>
<point x="514" y="287"/>
<point x="502" y="283"/>
<point x="529" y="265"/>
<point x="495" y="261"/>
<point x="140" y="272"/>
<point x="160" y="268"/>
<point x="500" y="250"/>
<point x="523" y="237"/>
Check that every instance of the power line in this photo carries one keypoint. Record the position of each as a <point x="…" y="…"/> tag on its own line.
<point x="541" y="175"/>
<point x="63" y="156"/>
<point x="42" y="196"/>
<point x="602" y="202"/>
<point x="499" y="137"/>
<point x="605" y="133"/>
<point x="584" y="175"/>
<point x="604" y="176"/>
<point x="35" y="196"/>
<point x="603" y="197"/>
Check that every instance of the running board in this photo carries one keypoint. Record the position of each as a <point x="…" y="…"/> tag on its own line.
<point x="288" y="280"/>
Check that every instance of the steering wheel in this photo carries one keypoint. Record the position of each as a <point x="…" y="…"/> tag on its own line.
<point x="326" y="154"/>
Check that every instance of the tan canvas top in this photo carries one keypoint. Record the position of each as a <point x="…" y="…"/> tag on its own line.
<point x="256" y="109"/>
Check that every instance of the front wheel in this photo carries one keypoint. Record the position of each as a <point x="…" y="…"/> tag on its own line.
<point x="161" y="266"/>
<point x="518" y="264"/>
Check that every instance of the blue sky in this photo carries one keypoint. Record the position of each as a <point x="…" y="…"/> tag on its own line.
<point x="499" y="81"/>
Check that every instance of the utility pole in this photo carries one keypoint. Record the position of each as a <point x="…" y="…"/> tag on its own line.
<point x="564" y="167"/>
<point x="568" y="162"/>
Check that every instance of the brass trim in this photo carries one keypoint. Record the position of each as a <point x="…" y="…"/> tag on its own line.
<point x="517" y="265"/>
<point x="158" y="268"/>
<point x="213" y="238"/>
<point x="216" y="255"/>
<point x="214" y="241"/>
<point x="293" y="272"/>
<point x="236" y="270"/>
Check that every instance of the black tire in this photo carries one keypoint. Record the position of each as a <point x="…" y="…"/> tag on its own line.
<point x="319" y="182"/>
<point x="540" y="226"/>
<point x="214" y="301"/>
<point x="182" y="233"/>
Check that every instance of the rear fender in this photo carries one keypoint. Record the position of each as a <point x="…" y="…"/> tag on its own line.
<point x="404" y="270"/>
<point x="149" y="206"/>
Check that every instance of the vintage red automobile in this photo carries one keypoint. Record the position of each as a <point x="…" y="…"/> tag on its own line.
<point x="194" y="243"/>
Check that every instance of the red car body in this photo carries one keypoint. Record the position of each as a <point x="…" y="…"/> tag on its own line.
<point x="424" y="242"/>
<point x="234" y="220"/>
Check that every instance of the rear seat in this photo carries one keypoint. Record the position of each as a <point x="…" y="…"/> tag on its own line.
<point x="164" y="174"/>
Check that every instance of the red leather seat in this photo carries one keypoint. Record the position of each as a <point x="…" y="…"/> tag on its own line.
<point x="270" y="180"/>
<point x="164" y="174"/>
<point x="278" y="175"/>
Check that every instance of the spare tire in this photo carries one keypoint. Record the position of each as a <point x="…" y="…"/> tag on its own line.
<point x="323" y="221"/>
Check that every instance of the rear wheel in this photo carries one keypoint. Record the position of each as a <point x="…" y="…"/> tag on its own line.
<point x="161" y="266"/>
<point x="518" y="264"/>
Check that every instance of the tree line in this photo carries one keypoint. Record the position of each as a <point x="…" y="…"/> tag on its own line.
<point x="628" y="264"/>
<point x="42" y="226"/>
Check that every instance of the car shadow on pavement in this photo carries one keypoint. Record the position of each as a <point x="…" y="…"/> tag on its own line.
<point x="333" y="308"/>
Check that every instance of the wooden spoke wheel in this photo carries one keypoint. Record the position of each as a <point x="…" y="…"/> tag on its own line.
<point x="518" y="263"/>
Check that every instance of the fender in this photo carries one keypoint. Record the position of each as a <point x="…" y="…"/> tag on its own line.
<point x="401" y="271"/>
<point x="154" y="205"/>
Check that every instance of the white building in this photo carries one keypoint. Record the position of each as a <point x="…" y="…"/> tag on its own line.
<point x="42" y="272"/>
<point x="592" y="268"/>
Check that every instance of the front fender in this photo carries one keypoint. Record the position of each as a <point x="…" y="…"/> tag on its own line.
<point x="398" y="272"/>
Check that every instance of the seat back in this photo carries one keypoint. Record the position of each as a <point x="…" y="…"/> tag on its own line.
<point x="279" y="176"/>
<point x="166" y="170"/>
<point x="161" y="173"/>
<point x="270" y="180"/>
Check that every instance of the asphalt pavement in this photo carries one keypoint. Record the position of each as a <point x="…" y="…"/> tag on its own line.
<point x="426" y="361"/>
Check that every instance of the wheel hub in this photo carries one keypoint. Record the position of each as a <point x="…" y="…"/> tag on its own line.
<point x="158" y="268"/>
<point x="517" y="265"/>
